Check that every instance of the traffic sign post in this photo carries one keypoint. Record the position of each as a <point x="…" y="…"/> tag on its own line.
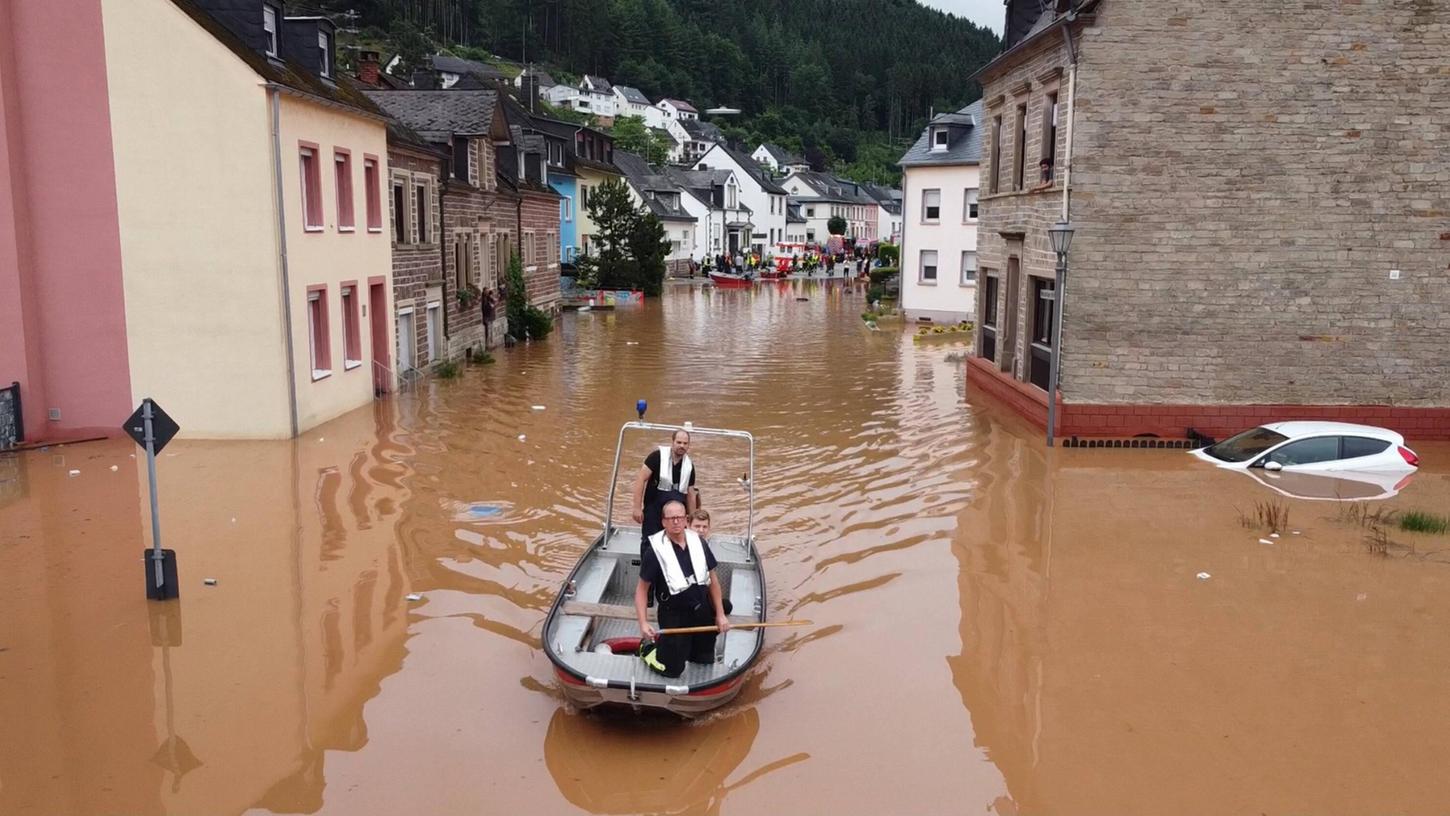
<point x="152" y="429"/>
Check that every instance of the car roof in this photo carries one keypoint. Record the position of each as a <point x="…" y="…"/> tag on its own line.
<point x="1300" y="428"/>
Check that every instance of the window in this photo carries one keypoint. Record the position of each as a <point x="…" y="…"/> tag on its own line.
<point x="526" y="246"/>
<point x="324" y="49"/>
<point x="317" y="336"/>
<point x="269" y="29"/>
<point x="342" y="166"/>
<point x="810" y="212"/>
<point x="566" y="209"/>
<point x="373" y="194"/>
<point x="400" y="212"/>
<point x="460" y="158"/>
<point x="1356" y="446"/>
<point x="1019" y="157"/>
<point x="462" y="261"/>
<point x="311" y="189"/>
<point x="583" y="198"/>
<point x="1043" y="304"/>
<point x="996" y="152"/>
<point x="1246" y="445"/>
<point x="928" y="266"/>
<point x="969" y="206"/>
<point x="351" y="338"/>
<point x="939" y="138"/>
<point x="987" y="337"/>
<point x="433" y="316"/>
<point x="930" y="206"/>
<point x="1049" y="136"/>
<point x="422" y="222"/>
<point x="1305" y="451"/>
<point x="969" y="268"/>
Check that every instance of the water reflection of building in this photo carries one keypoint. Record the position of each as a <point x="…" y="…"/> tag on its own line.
<point x="271" y="666"/>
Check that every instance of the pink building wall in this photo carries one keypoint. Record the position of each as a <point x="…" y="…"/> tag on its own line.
<point x="62" y="315"/>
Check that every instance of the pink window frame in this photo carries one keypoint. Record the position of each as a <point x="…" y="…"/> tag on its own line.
<point x="351" y="326"/>
<point x="310" y="183"/>
<point x="342" y="177"/>
<point x="374" y="194"/>
<point x="319" y="333"/>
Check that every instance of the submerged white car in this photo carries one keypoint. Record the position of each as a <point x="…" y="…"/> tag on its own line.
<point x="1313" y="447"/>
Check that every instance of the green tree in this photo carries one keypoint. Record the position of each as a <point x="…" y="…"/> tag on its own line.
<point x="526" y="321"/>
<point x="648" y="249"/>
<point x="836" y="226"/>
<point x="631" y="134"/>
<point x="613" y="212"/>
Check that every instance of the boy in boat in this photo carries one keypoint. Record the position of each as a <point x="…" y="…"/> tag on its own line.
<point x="667" y="475"/>
<point x="677" y="566"/>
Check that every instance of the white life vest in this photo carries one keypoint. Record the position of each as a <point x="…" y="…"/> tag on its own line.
<point x="666" y="482"/>
<point x="675" y="578"/>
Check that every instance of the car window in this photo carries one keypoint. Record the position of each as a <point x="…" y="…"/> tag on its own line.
<point x="1245" y="446"/>
<point x="1306" y="451"/>
<point x="1355" y="446"/>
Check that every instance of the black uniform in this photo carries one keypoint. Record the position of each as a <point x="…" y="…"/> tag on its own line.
<point x="655" y="499"/>
<point x="692" y="607"/>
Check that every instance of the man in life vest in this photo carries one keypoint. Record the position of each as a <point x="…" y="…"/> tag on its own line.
<point x="667" y="475"/>
<point x="678" y="567"/>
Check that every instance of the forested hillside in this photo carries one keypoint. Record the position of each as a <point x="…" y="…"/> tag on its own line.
<point x="825" y="77"/>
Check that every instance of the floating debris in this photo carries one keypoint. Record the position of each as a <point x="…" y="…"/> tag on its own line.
<point x="538" y="407"/>
<point x="75" y="473"/>
<point x="413" y="596"/>
<point x="1265" y="541"/>
<point x="631" y="342"/>
<point x="1203" y="576"/>
<point x="209" y="581"/>
<point x="114" y="468"/>
<point x="1273" y="535"/>
<point x="522" y="437"/>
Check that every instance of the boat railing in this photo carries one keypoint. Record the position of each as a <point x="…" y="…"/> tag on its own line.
<point x="638" y="425"/>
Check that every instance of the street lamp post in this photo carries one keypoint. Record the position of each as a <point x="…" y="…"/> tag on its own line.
<point x="1060" y="234"/>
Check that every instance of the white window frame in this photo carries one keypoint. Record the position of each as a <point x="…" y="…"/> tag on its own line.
<point x="315" y="296"/>
<point x="922" y="265"/>
<point x="324" y="44"/>
<point x="433" y="318"/>
<point x="971" y="197"/>
<point x="925" y="205"/>
<point x="969" y="256"/>
<point x="567" y="204"/>
<point x="939" y="138"/>
<point x="269" y="27"/>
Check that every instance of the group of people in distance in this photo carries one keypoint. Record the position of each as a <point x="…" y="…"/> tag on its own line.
<point x="677" y="566"/>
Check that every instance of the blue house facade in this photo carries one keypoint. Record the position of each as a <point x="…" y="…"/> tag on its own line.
<point x="567" y="186"/>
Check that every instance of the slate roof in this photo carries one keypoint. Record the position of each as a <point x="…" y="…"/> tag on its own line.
<point x="780" y="154"/>
<point x="753" y="169"/>
<point x="545" y="80"/>
<point x="601" y="85"/>
<point x="438" y="115"/>
<point x="463" y="67"/>
<point x="703" y="131"/>
<point x="793" y="214"/>
<point x="632" y="94"/>
<point x="681" y="105"/>
<point x="830" y="188"/>
<point x="699" y="183"/>
<point x="288" y="74"/>
<point x="964" y="146"/>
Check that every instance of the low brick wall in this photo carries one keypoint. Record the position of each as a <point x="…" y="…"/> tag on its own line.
<point x="1173" y="421"/>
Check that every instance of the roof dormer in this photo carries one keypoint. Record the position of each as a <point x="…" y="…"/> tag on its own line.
<point x="312" y="43"/>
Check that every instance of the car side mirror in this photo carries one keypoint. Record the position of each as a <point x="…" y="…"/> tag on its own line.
<point x="1273" y="466"/>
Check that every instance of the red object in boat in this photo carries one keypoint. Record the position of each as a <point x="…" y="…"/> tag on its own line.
<point x="723" y="279"/>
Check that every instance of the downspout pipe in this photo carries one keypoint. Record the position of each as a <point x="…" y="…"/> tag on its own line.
<point x="276" y="95"/>
<point x="1060" y="284"/>
<point x="1071" y="111"/>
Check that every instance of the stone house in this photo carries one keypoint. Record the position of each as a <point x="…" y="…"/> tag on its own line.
<point x="1260" y="222"/>
<point x="457" y="222"/>
<point x="530" y="208"/>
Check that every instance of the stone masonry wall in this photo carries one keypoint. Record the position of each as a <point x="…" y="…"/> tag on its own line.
<point x="1246" y="176"/>
<point x="1026" y="213"/>
<point x="415" y="265"/>
<point x="541" y="255"/>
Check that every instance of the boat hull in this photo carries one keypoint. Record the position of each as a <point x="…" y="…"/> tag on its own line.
<point x="728" y="280"/>
<point x="584" y="696"/>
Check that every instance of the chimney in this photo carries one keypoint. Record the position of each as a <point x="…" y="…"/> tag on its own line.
<point x="369" y="63"/>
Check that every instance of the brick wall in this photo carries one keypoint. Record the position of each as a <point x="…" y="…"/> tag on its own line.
<point x="1240" y="206"/>
<point x="541" y="266"/>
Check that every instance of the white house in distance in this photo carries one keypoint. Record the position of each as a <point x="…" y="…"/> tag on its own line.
<point x="654" y="192"/>
<point x="766" y="199"/>
<point x="630" y="102"/>
<point x="775" y="157"/>
<point x="678" y="109"/>
<point x="939" y="191"/>
<point x="822" y="196"/>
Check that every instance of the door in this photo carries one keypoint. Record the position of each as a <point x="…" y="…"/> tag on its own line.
<point x="435" y="330"/>
<point x="1008" y="347"/>
<point x="378" y="318"/>
<point x="407" y="342"/>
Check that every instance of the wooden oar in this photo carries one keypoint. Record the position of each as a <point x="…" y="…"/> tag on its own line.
<point x="697" y="630"/>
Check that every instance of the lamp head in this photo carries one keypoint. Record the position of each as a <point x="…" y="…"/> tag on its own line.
<point x="1060" y="234"/>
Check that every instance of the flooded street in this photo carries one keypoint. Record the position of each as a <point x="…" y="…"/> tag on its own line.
<point x="997" y="628"/>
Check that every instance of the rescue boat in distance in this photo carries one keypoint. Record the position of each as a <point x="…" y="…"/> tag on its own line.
<point x="591" y="635"/>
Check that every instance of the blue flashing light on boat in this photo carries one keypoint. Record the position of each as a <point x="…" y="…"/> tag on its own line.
<point x="641" y="406"/>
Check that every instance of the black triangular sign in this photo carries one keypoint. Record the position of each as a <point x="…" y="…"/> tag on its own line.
<point x="163" y="427"/>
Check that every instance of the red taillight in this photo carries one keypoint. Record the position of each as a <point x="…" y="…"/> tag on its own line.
<point x="1409" y="456"/>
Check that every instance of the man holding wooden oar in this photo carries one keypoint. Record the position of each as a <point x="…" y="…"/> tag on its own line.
<point x="678" y="566"/>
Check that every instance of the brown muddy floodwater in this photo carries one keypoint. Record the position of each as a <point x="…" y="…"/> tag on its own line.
<point x="999" y="629"/>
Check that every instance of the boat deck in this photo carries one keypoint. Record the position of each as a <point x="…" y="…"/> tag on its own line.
<point x="605" y="583"/>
